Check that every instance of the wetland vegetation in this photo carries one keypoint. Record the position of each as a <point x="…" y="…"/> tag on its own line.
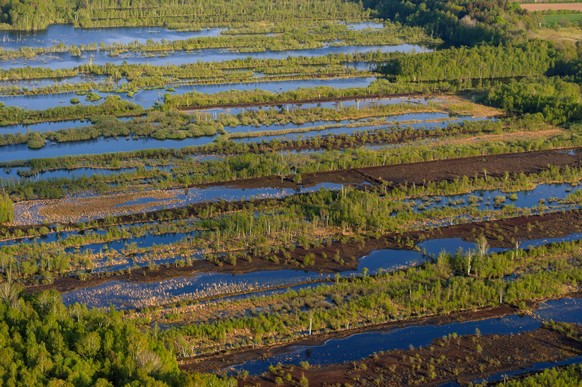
<point x="226" y="193"/>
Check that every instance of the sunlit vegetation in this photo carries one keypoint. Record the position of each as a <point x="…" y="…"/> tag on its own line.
<point x="49" y="343"/>
<point x="551" y="377"/>
<point x="21" y="15"/>
<point x="152" y="216"/>
<point x="441" y="286"/>
<point x="298" y="38"/>
<point x="6" y="208"/>
<point x="198" y="70"/>
<point x="483" y="62"/>
<point x="273" y="227"/>
<point x="459" y="22"/>
<point x="561" y="18"/>
<point x="175" y="125"/>
<point x="246" y="165"/>
<point x="257" y="97"/>
<point x="556" y="100"/>
<point x="158" y="126"/>
<point x="112" y="106"/>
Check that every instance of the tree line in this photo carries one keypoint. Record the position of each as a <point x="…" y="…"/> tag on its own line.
<point x="556" y="100"/>
<point x="47" y="343"/>
<point x="190" y="14"/>
<point x="533" y="58"/>
<point x="458" y="22"/>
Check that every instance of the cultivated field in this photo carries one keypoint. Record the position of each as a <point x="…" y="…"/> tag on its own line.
<point x="552" y="7"/>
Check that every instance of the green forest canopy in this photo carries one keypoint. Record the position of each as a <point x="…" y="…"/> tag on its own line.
<point x="39" y="14"/>
<point x="43" y="342"/>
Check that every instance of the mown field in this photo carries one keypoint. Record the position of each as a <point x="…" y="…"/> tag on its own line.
<point x="552" y="6"/>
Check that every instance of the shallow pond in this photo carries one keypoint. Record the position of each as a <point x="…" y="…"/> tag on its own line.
<point x="8" y="173"/>
<point x="359" y="102"/>
<point x="565" y="310"/>
<point x="44" y="82"/>
<point x="261" y="128"/>
<point x="145" y="241"/>
<point x="362" y="345"/>
<point x="221" y="193"/>
<point x="483" y="200"/>
<point x="48" y="238"/>
<point x="130" y="295"/>
<point x="12" y="173"/>
<point x="65" y="60"/>
<point x="227" y="193"/>
<point x="43" y="127"/>
<point x="79" y="173"/>
<point x="98" y="146"/>
<point x="347" y="130"/>
<point x="48" y="101"/>
<point x="434" y="247"/>
<point x="69" y="35"/>
<point x="362" y="66"/>
<point x="194" y="195"/>
<point x="359" y="26"/>
<point x="148" y="98"/>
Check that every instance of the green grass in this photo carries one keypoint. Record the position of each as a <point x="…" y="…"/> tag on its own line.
<point x="564" y="19"/>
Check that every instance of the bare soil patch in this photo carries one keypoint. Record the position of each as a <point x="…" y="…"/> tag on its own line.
<point x="439" y="170"/>
<point x="504" y="233"/>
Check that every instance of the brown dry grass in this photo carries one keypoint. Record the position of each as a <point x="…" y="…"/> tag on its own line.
<point x="74" y="209"/>
<point x="570" y="34"/>
<point x="463" y="106"/>
<point x="522" y="135"/>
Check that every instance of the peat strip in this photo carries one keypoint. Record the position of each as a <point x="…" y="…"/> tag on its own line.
<point x="462" y="360"/>
<point x="224" y="359"/>
<point x="557" y="224"/>
<point x="393" y="176"/>
<point x="420" y="172"/>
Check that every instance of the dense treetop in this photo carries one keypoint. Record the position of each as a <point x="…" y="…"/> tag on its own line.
<point x="43" y="342"/>
<point x="39" y="14"/>
<point x="458" y="21"/>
